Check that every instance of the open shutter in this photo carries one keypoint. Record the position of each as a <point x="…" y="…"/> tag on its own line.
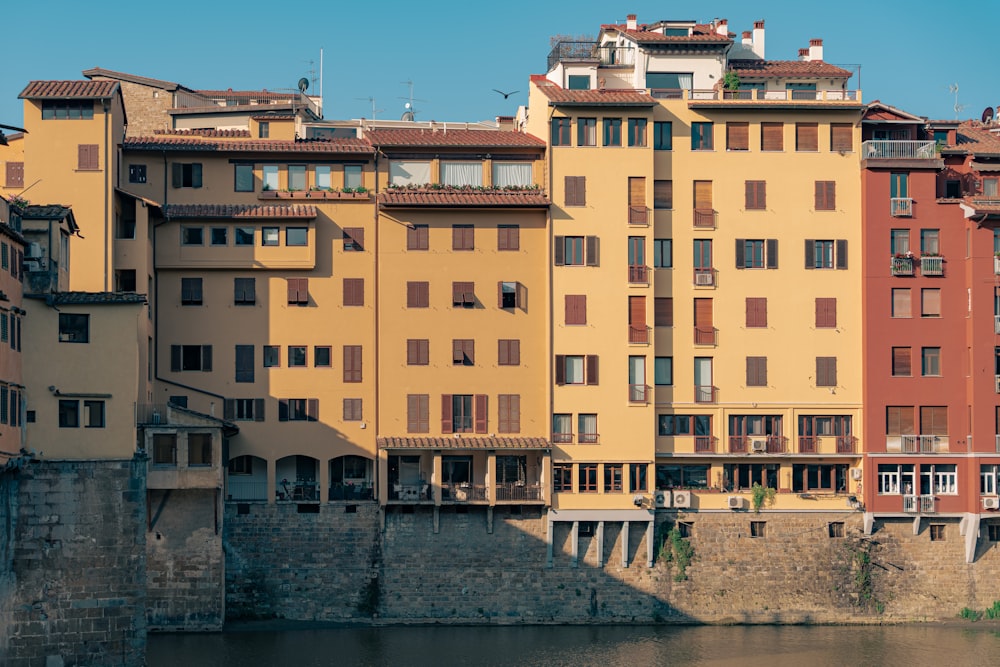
<point x="521" y="296"/>
<point x="560" y="369"/>
<point x="560" y="250"/>
<point x="593" y="251"/>
<point x="175" y="358"/>
<point x="500" y="294"/>
<point x="810" y="253"/>
<point x="446" y="420"/>
<point x="293" y="290"/>
<point x="503" y="352"/>
<point x="514" y="413"/>
<point x="312" y="409"/>
<point x="258" y="409"/>
<point x="282" y="410"/>
<point x="592" y="373"/>
<point x="481" y="413"/>
<point x="177" y="174"/>
<point x="206" y="357"/>
<point x="457" y="352"/>
<point x="841" y="253"/>
<point x="570" y="182"/>
<point x="740" y="253"/>
<point x="772" y="253"/>
<point x="196" y="175"/>
<point x="412" y="409"/>
<point x="229" y="409"/>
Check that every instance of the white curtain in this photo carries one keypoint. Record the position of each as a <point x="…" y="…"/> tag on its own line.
<point x="406" y="172"/>
<point x="511" y="174"/>
<point x="462" y="173"/>
<point x="271" y="176"/>
<point x="322" y="176"/>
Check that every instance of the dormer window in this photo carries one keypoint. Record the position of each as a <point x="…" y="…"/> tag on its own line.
<point x="676" y="32"/>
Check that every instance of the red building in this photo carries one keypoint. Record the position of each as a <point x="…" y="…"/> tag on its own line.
<point x="931" y="304"/>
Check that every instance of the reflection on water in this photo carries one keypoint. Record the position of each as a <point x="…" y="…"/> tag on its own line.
<point x="606" y="646"/>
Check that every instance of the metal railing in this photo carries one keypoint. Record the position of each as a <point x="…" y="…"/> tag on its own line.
<point x="901" y="207"/>
<point x="892" y="149"/>
<point x="918" y="504"/>
<point x="609" y="56"/>
<point x="638" y="393"/>
<point x="932" y="266"/>
<point x="638" y="215"/>
<point x="706" y="336"/>
<point x="846" y="444"/>
<point x="638" y="334"/>
<point x="517" y="491"/>
<point x="918" y="444"/>
<point x="776" y="95"/>
<point x="705" y="393"/>
<point x="240" y="489"/>
<point x="562" y="437"/>
<point x="464" y="493"/>
<point x="638" y="275"/>
<point x="704" y="277"/>
<point x="705" y="217"/>
<point x="902" y="266"/>
<point x="704" y="444"/>
<point x="808" y="444"/>
<point x="588" y="438"/>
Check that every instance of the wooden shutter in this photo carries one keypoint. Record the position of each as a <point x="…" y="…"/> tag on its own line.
<point x="244" y="363"/>
<point x="841" y="258"/>
<point x="772" y="136"/>
<point x="354" y="291"/>
<point x="810" y="253"/>
<point x="447" y="425"/>
<point x="457" y="238"/>
<point x="826" y="196"/>
<point x="15" y="175"/>
<point x="756" y="311"/>
<point x="293" y="290"/>
<point x="503" y="352"/>
<point x="756" y="372"/>
<point x="87" y="157"/>
<point x="229" y="409"/>
<point x="703" y="195"/>
<point x="592" y="370"/>
<point x="737" y="136"/>
<point x="521" y="296"/>
<point x="502" y="239"/>
<point x="312" y="409"/>
<point x="413" y="413"/>
<point x="756" y="195"/>
<point x="637" y="191"/>
<point x="514" y="351"/>
<point x="663" y="194"/>
<point x="560" y="369"/>
<point x="576" y="190"/>
<point x="352" y="363"/>
<point x="901" y="361"/>
<point x="196" y="175"/>
<point x="593" y="251"/>
<point x="560" y="251"/>
<point x="740" y="253"/>
<point x="509" y="412"/>
<point x="841" y="137"/>
<point x="206" y="357"/>
<point x="177" y="174"/>
<point x="934" y="420"/>
<point x="826" y="371"/>
<point x="175" y="358"/>
<point x="637" y="311"/>
<point x="806" y="136"/>
<point x="258" y="409"/>
<point x="703" y="313"/>
<point x="458" y="351"/>
<point x="576" y="309"/>
<point x="663" y="311"/>
<point x="772" y="253"/>
<point x="480" y="413"/>
<point x="826" y="312"/>
<point x="930" y="302"/>
<point x="282" y="410"/>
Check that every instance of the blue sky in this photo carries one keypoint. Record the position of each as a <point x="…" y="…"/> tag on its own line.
<point x="457" y="52"/>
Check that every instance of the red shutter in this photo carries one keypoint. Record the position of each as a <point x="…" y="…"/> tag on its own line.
<point x="663" y="315"/>
<point x="293" y="290"/>
<point x="481" y="413"/>
<point x="592" y="374"/>
<point x="503" y="352"/>
<point x="500" y="294"/>
<point x="560" y="369"/>
<point x="446" y="420"/>
<point x="826" y="313"/>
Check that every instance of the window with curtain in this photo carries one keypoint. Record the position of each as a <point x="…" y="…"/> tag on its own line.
<point x="510" y="174"/>
<point x="409" y="172"/>
<point x="669" y="80"/>
<point x="458" y="174"/>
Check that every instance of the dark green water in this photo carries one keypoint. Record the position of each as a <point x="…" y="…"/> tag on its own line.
<point x="609" y="646"/>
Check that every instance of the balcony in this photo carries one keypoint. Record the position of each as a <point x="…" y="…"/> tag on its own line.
<point x="704" y="393"/>
<point x="638" y="393"/>
<point x="246" y="489"/>
<point x="706" y="95"/>
<point x="881" y="149"/>
<point x="704" y="444"/>
<point x="706" y="336"/>
<point x="638" y="275"/>
<point x="518" y="492"/>
<point x="932" y="266"/>
<point x="638" y="215"/>
<point x="813" y="444"/>
<point x="704" y="277"/>
<point x="608" y="56"/>
<point x="562" y="438"/>
<point x="464" y="493"/>
<point x="705" y="218"/>
<point x="918" y="504"/>
<point x="902" y="266"/>
<point x="638" y="334"/>
<point x="847" y="444"/>
<point x="996" y="324"/>
<point x="759" y="444"/>
<point x="918" y="444"/>
<point x="901" y="207"/>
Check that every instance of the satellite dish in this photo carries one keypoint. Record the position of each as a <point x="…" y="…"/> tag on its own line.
<point x="303" y="84"/>
<point x="408" y="115"/>
<point x="987" y="114"/>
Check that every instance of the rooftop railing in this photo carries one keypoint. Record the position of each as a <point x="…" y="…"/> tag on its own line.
<point x="892" y="149"/>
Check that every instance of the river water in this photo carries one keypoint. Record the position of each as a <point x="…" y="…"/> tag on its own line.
<point x="583" y="646"/>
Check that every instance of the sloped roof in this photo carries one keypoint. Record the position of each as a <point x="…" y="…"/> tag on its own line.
<point x="700" y="34"/>
<point x="972" y="138"/>
<point x="40" y="90"/>
<point x="95" y="298"/>
<point x="229" y="134"/>
<point x="559" y="96"/>
<point x="133" y="78"/>
<point x="263" y="94"/>
<point x="475" y="442"/>
<point x="787" y="68"/>
<point x="444" y="137"/>
<point x="45" y="212"/>
<point x="239" y="211"/>
<point x="196" y="143"/>
<point x="463" y="198"/>
<point x="880" y="111"/>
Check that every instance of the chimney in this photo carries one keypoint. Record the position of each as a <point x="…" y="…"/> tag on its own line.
<point x="758" y="39"/>
<point x="815" y="50"/>
<point x="804" y="55"/>
<point x="630" y="22"/>
<point x="722" y="27"/>
<point x="747" y="38"/>
<point x="505" y="123"/>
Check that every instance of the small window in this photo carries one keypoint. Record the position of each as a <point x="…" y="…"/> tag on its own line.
<point x="192" y="236"/>
<point x="270" y="236"/>
<point x="88" y="157"/>
<point x="352" y="410"/>
<point x="199" y="449"/>
<point x="165" y="449"/>
<point x="321" y="356"/>
<point x="463" y="352"/>
<point x="417" y="294"/>
<point x="930" y="361"/>
<point x="663" y="371"/>
<point x="663" y="253"/>
<point x="244" y="291"/>
<point x="586" y="131"/>
<point x="758" y="529"/>
<point x="463" y="237"/>
<point x="263" y="130"/>
<point x="296" y="236"/>
<point x="579" y="82"/>
<point x="269" y="176"/>
<point x="272" y="356"/>
<point x="186" y="175"/>
<point x="835" y="529"/>
<point x="936" y="531"/>
<point x="137" y="173"/>
<point x="612" y="131"/>
<point x="352" y="176"/>
<point x="243" y="178"/>
<point x="296" y="356"/>
<point x="807" y="137"/>
<point x="561" y="132"/>
<point x="417" y="237"/>
<point x="701" y="137"/>
<point x="191" y="293"/>
<point x="509" y="352"/>
<point x="993" y="532"/>
<point x="69" y="414"/>
<point x="663" y="136"/>
<point x="74" y="328"/>
<point x="244" y="236"/>
<point x="125" y="280"/>
<point x="296" y="177"/>
<point x="219" y="235"/>
<point x="637" y="132"/>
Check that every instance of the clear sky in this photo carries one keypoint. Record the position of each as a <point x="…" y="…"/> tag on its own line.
<point x="457" y="52"/>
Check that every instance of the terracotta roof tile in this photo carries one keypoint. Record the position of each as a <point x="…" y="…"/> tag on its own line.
<point x="462" y="198"/>
<point x="194" y="142"/>
<point x="38" y="90"/>
<point x="244" y="134"/>
<point x="234" y="108"/>
<point x="473" y="442"/>
<point x="254" y="94"/>
<point x="132" y="78"/>
<point x="239" y="211"/>
<point x="452" y="137"/>
<point x="604" y="96"/>
<point x="784" y="68"/>
<point x="973" y="138"/>
<point x="45" y="212"/>
<point x="981" y="205"/>
<point x="645" y="33"/>
<point x="84" y="298"/>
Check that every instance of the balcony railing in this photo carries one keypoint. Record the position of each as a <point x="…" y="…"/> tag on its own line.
<point x="773" y="95"/>
<point x="704" y="277"/>
<point x="738" y="444"/>
<point x="704" y="444"/>
<point x="638" y="215"/>
<point x="996" y="265"/>
<point x="608" y="56"/>
<point x="562" y="438"/>
<point x="638" y="393"/>
<point x="704" y="393"/>
<point x="932" y="266"/>
<point x="760" y="444"/>
<point x="918" y="504"/>
<point x="464" y="492"/>
<point x="902" y="266"/>
<point x="589" y="438"/>
<point x="846" y="444"/>
<point x="891" y="149"/>
<point x="997" y="379"/>
<point x="918" y="444"/>
<point x="240" y="489"/>
<point x="706" y="336"/>
<point x="901" y="207"/>
<point x="810" y="444"/>
<point x="705" y="217"/>
<point x="518" y="491"/>
<point x="638" y="275"/>
<point x="996" y="323"/>
<point x="638" y="334"/>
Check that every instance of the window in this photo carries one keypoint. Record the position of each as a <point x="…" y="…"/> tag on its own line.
<point x="352" y="363"/>
<point x="509" y="352"/>
<point x="576" y="309"/>
<point x="244" y="409"/>
<point x="663" y="139"/>
<point x="297" y="356"/>
<point x="586" y="131"/>
<point x="579" y="82"/>
<point x="192" y="236"/>
<point x="417" y="352"/>
<point x="461" y="174"/>
<point x="269" y="177"/>
<point x="191" y="291"/>
<point x="165" y="449"/>
<point x="576" y="369"/>
<point x="73" y="328"/>
<point x="930" y="361"/>
<point x="826" y="196"/>
<point x="737" y="136"/>
<point x="244" y="291"/>
<point x="816" y="477"/>
<point x="190" y="358"/>
<point x="463" y="295"/>
<point x="758" y="529"/>
<point x="936" y="532"/>
<point x="199" y="449"/>
<point x="612" y="131"/>
<point x="296" y="177"/>
<point x="298" y="409"/>
<point x="296" y="236"/>
<point x="756" y="253"/>
<point x="901" y="302"/>
<point x="321" y="356"/>
<point x="244" y="236"/>
<point x="244" y="363"/>
<point x="671" y="81"/>
<point x="826" y="312"/>
<point x="899" y="420"/>
<point x="842" y="137"/>
<point x="663" y="371"/>
<point x="457" y="413"/>
<point x="930" y="302"/>
<point x="894" y="479"/>
<point x="242" y="178"/>
<point x="663" y="194"/>
<point x="417" y="413"/>
<point x="993" y="532"/>
<point x="137" y="173"/>
<point x="272" y="356"/>
<point x="409" y="172"/>
<point x="663" y="311"/>
<point x="576" y="190"/>
<point x="124" y="228"/>
<point x="756" y="195"/>
<point x="806" y="137"/>
<point x="512" y="174"/>
<point x="417" y="294"/>
<point x="701" y="137"/>
<point x="509" y="412"/>
<point x="186" y="175"/>
<point x="512" y="295"/>
<point x="587" y="478"/>
<point x="613" y="474"/>
<point x="88" y="157"/>
<point x="663" y="253"/>
<point x="899" y="242"/>
<point x="700" y="425"/>
<point x="930" y="242"/>
<point x="463" y="237"/>
<point x="15" y="175"/>
<point x="756" y="307"/>
<point x="637" y="473"/>
<point x="463" y="352"/>
<point x="988" y="477"/>
<point x="352" y="176"/>
<point x="933" y="420"/>
<point x="125" y="280"/>
<point x="508" y="237"/>
<point x="576" y="251"/>
<point x="354" y="291"/>
<point x="756" y="371"/>
<point x="899" y="185"/>
<point x="560" y="132"/>
<point x="636" y="131"/>
<point x="69" y="414"/>
<point x="298" y="291"/>
<point x="321" y="177"/>
<point x="67" y="109"/>
<point x="990" y="187"/>
<point x="826" y="254"/>
<point x="772" y="136"/>
<point x="562" y="477"/>
<point x="417" y="237"/>
<point x="826" y="371"/>
<point x="263" y="130"/>
<point x="219" y="235"/>
<point x="352" y="410"/>
<point x="901" y="364"/>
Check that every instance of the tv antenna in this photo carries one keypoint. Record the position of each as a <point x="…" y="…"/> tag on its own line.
<point x="371" y="100"/>
<point x="953" y="88"/>
<point x="411" y="112"/>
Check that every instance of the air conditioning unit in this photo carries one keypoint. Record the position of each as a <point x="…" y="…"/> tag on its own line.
<point x="33" y="251"/>
<point x="856" y="474"/>
<point x="991" y="503"/>
<point x="33" y="265"/>
<point x="682" y="499"/>
<point x="735" y="502"/>
<point x="704" y="278"/>
<point x="661" y="499"/>
<point x="758" y="444"/>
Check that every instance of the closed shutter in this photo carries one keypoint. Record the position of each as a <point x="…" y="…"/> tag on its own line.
<point x="637" y="311"/>
<point x="576" y="309"/>
<point x="593" y="251"/>
<point x="930" y="302"/>
<point x="637" y="191"/>
<point x="756" y="372"/>
<point x="502" y="239"/>
<point x="841" y="253"/>
<point x="772" y="136"/>
<point x="560" y="251"/>
<point x="703" y="314"/>
<point x="177" y="174"/>
<point x="354" y="237"/>
<point x="755" y="195"/>
<point x="244" y="363"/>
<point x="806" y="136"/>
<point x="175" y="358"/>
<point x="352" y="363"/>
<point x="810" y="253"/>
<point x="417" y="413"/>
<point x="756" y="307"/>
<point x="354" y="291"/>
<point x="663" y="311"/>
<point x="899" y="420"/>
<point x="503" y="353"/>
<point x="206" y="357"/>
<point x="934" y="420"/>
<point x="514" y="352"/>
<point x="447" y="425"/>
<point x="741" y="253"/>
<point x="509" y="412"/>
<point x="841" y="137"/>
<point x="826" y="312"/>
<point x="826" y="371"/>
<point x="826" y="195"/>
<point x="576" y="190"/>
<point x="87" y="157"/>
<point x="560" y="369"/>
<point x="282" y="410"/>
<point x="229" y="409"/>
<point x="312" y="409"/>
<point x="737" y="136"/>
<point x="481" y="413"/>
<point x="663" y="194"/>
<point x="901" y="363"/>
<point x="293" y="290"/>
<point x="772" y="253"/>
<point x="592" y="370"/>
<point x="258" y="409"/>
<point x="15" y="175"/>
<point x="703" y="195"/>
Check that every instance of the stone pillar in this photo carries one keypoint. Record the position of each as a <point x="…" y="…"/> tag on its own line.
<point x="649" y="542"/>
<point x="548" y="544"/>
<point x="600" y="544"/>
<point x="545" y="482"/>
<point x="625" y="544"/>
<point x="271" y="469"/>
<point x="575" y="553"/>
<point x="436" y="477"/>
<point x="383" y="478"/>
<point x="323" y="481"/>
<point x="491" y="491"/>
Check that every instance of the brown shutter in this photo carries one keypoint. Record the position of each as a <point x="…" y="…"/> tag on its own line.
<point x="810" y="253"/>
<point x="703" y="195"/>
<point x="740" y="253"/>
<point x="570" y="184"/>
<point x="663" y="311"/>
<point x="755" y="195"/>
<point x="503" y="352"/>
<point x="457" y="293"/>
<point x="560" y="369"/>
<point x="501" y="238"/>
<point x="411" y="295"/>
<point x="514" y="348"/>
<point x="15" y="175"/>
<point x="826" y="312"/>
<point x="500" y="294"/>
<point x="806" y="136"/>
<point x="576" y="309"/>
<point x="592" y="371"/>
<point x="457" y="238"/>
<point x="412" y="411"/>
<point x="411" y="352"/>
<point x="637" y="191"/>
<point x="772" y="253"/>
<point x="703" y="313"/>
<point x="756" y="311"/>
<point x="934" y="420"/>
<point x="446" y="418"/>
<point x="258" y="409"/>
<point x="457" y="351"/>
<point x="663" y="194"/>
<point x="841" y="259"/>
<point x="737" y="136"/>
<point x="841" y="137"/>
<point x="521" y="296"/>
<point x="756" y="372"/>
<point x="637" y="311"/>
<point x="293" y="290"/>
<point x="772" y="136"/>
<point x="901" y="363"/>
<point x="930" y="301"/>
<point x="560" y="250"/>
<point x="312" y="409"/>
<point x="593" y="251"/>
<point x="481" y="413"/>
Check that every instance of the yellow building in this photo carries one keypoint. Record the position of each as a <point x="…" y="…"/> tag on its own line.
<point x="12" y="331"/>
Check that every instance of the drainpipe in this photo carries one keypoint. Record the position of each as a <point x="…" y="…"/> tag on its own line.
<point x="107" y="185"/>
